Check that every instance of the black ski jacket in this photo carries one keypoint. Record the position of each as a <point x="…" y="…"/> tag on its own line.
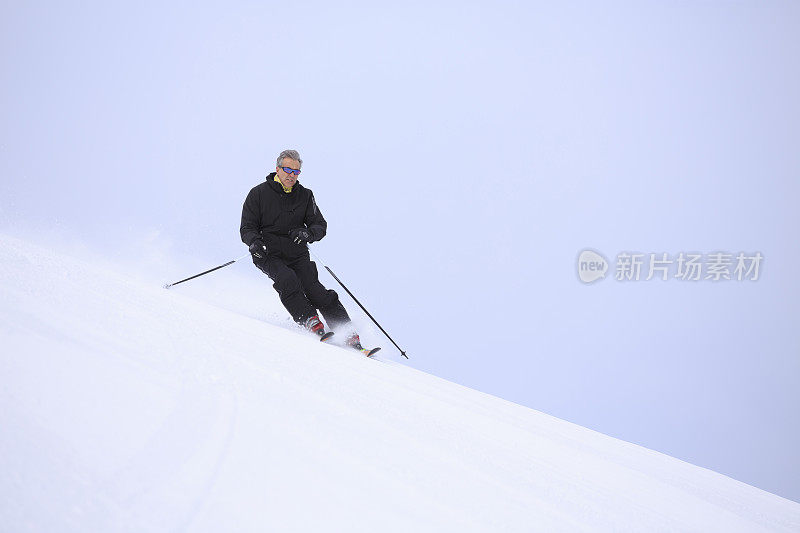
<point x="269" y="214"/>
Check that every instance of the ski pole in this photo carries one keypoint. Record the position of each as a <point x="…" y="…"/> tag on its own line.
<point x="168" y="285"/>
<point x="359" y="303"/>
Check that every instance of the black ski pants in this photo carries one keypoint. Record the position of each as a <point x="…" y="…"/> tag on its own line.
<point x="297" y="282"/>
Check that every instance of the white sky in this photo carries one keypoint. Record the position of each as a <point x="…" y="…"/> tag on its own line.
<point x="463" y="154"/>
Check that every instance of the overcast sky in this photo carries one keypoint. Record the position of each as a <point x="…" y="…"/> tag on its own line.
<point x="464" y="154"/>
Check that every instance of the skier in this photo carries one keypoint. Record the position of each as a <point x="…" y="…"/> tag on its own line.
<point x="279" y="219"/>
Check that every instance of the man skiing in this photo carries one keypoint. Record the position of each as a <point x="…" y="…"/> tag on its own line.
<point x="279" y="219"/>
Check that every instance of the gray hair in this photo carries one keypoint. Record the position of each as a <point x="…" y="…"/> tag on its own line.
<point x="290" y="154"/>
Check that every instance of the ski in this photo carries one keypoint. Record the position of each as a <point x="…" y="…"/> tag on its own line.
<point x="354" y="343"/>
<point x="368" y="352"/>
<point x="325" y="336"/>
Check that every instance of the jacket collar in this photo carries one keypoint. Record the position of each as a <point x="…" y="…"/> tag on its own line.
<point x="276" y="185"/>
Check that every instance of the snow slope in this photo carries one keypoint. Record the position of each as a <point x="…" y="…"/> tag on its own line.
<point x="127" y="407"/>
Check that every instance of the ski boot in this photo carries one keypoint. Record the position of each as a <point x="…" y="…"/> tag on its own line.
<point x="355" y="343"/>
<point x="314" y="325"/>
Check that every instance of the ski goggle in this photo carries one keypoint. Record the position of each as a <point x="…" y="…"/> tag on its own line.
<point x="291" y="171"/>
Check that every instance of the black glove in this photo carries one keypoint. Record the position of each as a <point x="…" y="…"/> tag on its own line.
<point x="300" y="236"/>
<point x="258" y="249"/>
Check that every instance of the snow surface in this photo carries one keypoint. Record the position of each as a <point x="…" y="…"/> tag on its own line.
<point x="127" y="407"/>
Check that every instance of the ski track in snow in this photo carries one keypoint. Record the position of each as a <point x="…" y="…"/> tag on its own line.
<point x="126" y="407"/>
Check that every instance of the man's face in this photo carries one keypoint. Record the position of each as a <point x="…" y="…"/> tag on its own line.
<point x="287" y="180"/>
